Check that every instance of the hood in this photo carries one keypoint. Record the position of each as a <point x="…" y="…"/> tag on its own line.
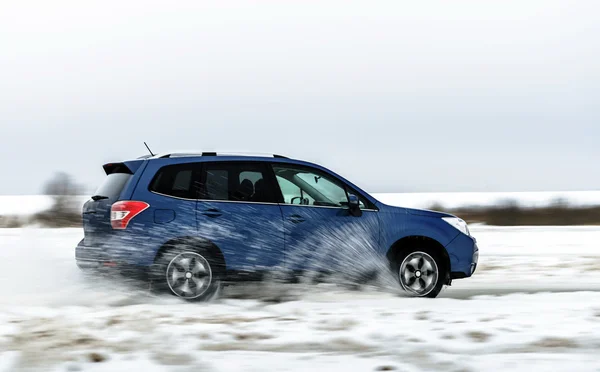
<point x="427" y="213"/>
<point x="413" y="211"/>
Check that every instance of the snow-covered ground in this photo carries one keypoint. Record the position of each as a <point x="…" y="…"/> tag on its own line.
<point x="533" y="304"/>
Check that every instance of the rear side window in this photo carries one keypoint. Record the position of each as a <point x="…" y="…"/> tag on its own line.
<point x="216" y="184"/>
<point x="176" y="180"/>
<point x="113" y="185"/>
<point x="237" y="181"/>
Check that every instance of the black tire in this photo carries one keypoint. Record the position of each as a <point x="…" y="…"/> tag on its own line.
<point x="402" y="264"/>
<point x="171" y="263"/>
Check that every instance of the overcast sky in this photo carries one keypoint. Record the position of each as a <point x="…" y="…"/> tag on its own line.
<point x="397" y="96"/>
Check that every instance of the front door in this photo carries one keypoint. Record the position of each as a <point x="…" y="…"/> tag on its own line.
<point x="238" y="212"/>
<point x="321" y="233"/>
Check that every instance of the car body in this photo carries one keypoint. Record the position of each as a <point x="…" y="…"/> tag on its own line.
<point x="229" y="217"/>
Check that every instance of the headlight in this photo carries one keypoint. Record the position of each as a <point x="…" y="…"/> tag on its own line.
<point x="458" y="224"/>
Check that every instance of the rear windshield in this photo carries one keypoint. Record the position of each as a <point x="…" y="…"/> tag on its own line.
<point x="113" y="185"/>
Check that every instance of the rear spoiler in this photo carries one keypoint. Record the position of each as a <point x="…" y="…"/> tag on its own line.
<point x="128" y="167"/>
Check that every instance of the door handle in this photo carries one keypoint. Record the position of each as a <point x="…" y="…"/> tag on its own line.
<point x="212" y="212"/>
<point x="295" y="218"/>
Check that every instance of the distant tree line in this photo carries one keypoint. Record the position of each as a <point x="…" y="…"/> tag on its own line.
<point x="510" y="213"/>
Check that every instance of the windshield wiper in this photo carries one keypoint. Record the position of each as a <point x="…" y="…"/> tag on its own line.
<point x="99" y="197"/>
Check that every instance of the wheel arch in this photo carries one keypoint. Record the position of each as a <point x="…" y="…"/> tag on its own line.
<point x="196" y="242"/>
<point x="414" y="241"/>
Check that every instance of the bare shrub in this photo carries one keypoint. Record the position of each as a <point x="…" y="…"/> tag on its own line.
<point x="64" y="211"/>
<point x="11" y="222"/>
<point x="478" y="336"/>
<point x="555" y="342"/>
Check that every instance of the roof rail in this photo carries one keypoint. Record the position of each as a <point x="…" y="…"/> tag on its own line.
<point x="211" y="153"/>
<point x="176" y="155"/>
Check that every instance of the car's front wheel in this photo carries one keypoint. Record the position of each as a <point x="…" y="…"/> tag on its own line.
<point x="188" y="273"/>
<point x="420" y="273"/>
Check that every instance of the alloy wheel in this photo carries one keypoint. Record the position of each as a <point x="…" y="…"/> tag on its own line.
<point x="418" y="273"/>
<point x="189" y="275"/>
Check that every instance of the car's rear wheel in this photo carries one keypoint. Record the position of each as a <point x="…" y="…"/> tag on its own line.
<point x="420" y="273"/>
<point x="188" y="272"/>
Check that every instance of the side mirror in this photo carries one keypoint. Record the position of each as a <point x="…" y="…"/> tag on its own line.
<point x="354" y="205"/>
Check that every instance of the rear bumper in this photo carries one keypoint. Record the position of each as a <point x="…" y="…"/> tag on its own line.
<point x="89" y="257"/>
<point x="88" y="264"/>
<point x="95" y="259"/>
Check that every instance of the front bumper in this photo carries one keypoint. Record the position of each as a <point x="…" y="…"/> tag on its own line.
<point x="464" y="256"/>
<point x="475" y="257"/>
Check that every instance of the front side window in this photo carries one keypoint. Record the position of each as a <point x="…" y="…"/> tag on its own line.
<point x="293" y="194"/>
<point x="242" y="182"/>
<point x="304" y="186"/>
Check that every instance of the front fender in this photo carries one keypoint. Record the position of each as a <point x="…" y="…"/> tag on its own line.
<point x="397" y="225"/>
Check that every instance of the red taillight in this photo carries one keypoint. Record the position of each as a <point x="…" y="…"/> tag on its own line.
<point x="123" y="211"/>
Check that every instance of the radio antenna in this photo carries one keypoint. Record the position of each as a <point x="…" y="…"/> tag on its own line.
<point x="150" y="151"/>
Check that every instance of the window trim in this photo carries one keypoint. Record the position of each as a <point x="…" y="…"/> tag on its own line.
<point x="171" y="196"/>
<point x="270" y="178"/>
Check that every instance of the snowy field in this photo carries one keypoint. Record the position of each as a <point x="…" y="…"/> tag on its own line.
<point x="533" y="304"/>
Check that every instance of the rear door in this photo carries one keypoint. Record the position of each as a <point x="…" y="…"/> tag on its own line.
<point x="320" y="232"/>
<point x="96" y="211"/>
<point x="238" y="211"/>
<point x="173" y="192"/>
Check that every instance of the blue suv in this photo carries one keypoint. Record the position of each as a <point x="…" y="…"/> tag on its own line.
<point x="190" y="222"/>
